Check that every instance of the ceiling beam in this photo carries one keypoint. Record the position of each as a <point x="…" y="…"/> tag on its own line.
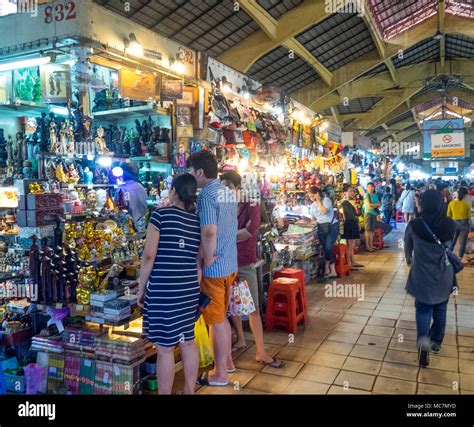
<point x="383" y="85"/>
<point x="441" y="15"/>
<point x="313" y="93"/>
<point x="265" y="21"/>
<point x="382" y="109"/>
<point x="270" y="26"/>
<point x="441" y="29"/>
<point x="378" y="40"/>
<point x="403" y="108"/>
<point x="295" y="46"/>
<point x="392" y="70"/>
<point x="415" y="119"/>
<point x="336" y="115"/>
<point x="402" y="136"/>
<point x="243" y="55"/>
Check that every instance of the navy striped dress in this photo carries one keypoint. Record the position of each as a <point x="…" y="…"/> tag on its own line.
<point x="173" y="290"/>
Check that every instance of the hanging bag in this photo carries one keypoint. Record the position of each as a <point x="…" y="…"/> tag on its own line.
<point x="241" y="301"/>
<point x="203" y="343"/>
<point x="451" y="258"/>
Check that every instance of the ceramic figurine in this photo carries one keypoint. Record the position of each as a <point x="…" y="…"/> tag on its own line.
<point x="91" y="200"/>
<point x="63" y="139"/>
<point x="73" y="175"/>
<point x="181" y="157"/>
<point x="27" y="171"/>
<point x="88" y="176"/>
<point x="90" y="146"/>
<point x="53" y="139"/>
<point x="100" y="141"/>
<point x="71" y="148"/>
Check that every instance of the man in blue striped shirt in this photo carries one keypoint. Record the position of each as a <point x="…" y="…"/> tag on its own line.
<point x="217" y="210"/>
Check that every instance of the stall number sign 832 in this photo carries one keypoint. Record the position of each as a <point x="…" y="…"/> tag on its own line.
<point x="60" y="12"/>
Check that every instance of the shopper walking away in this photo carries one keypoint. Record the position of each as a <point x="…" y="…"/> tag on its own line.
<point x="351" y="226"/>
<point x="407" y="203"/>
<point x="328" y="227"/>
<point x="431" y="279"/>
<point x="460" y="211"/>
<point x="169" y="288"/>
<point x="445" y="194"/>
<point x="217" y="210"/>
<point x="135" y="195"/>
<point x="371" y="205"/>
<point x="387" y="205"/>
<point x="248" y="223"/>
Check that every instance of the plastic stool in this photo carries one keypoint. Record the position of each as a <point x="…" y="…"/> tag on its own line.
<point x="399" y="216"/>
<point x="393" y="223"/>
<point x="378" y="238"/>
<point x="285" y="304"/>
<point x="341" y="253"/>
<point x="294" y="273"/>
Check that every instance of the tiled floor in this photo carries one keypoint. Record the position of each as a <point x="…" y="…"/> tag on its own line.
<point x="364" y="347"/>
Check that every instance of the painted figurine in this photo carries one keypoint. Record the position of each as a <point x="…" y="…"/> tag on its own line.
<point x="53" y="138"/>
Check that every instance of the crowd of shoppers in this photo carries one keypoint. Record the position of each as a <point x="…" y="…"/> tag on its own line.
<point x="202" y="244"/>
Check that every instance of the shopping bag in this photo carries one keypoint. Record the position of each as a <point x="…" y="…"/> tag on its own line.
<point x="241" y="301"/>
<point x="201" y="338"/>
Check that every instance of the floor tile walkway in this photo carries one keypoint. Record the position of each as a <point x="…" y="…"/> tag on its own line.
<point x="364" y="347"/>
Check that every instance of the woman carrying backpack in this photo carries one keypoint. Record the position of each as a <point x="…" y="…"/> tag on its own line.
<point x="432" y="276"/>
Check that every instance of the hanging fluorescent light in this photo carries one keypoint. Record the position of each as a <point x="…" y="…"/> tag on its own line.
<point x="60" y="111"/>
<point x="25" y="63"/>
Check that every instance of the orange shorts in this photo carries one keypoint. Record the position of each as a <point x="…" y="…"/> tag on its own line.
<point x="219" y="291"/>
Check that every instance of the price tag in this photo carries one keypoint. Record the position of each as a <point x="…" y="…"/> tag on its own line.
<point x="87" y="363"/>
<point x="79" y="307"/>
<point x="116" y="370"/>
<point x="68" y="216"/>
<point x="106" y="377"/>
<point x="59" y="305"/>
<point x="70" y="186"/>
<point x="52" y="369"/>
<point x="128" y="161"/>
<point x="90" y="186"/>
<point x="70" y="155"/>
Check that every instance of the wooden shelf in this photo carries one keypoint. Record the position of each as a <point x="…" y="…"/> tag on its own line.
<point x="144" y="110"/>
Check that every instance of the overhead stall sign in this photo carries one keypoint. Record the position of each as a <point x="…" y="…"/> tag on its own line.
<point x="432" y="127"/>
<point x="447" y="144"/>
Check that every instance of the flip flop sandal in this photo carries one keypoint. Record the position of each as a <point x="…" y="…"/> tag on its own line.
<point x="275" y="363"/>
<point x="234" y="349"/>
<point x="204" y="381"/>
<point x="231" y="371"/>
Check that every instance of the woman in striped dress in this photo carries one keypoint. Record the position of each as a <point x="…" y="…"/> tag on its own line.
<point x="169" y="267"/>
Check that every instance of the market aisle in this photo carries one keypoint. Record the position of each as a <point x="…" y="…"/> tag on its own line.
<point x="364" y="347"/>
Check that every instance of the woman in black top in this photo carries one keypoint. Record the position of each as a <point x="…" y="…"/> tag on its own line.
<point x="351" y="225"/>
<point x="431" y="279"/>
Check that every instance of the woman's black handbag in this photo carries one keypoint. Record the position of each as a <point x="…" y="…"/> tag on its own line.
<point x="450" y="256"/>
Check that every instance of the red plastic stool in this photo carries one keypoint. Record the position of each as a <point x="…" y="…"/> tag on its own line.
<point x="341" y="253"/>
<point x="285" y="304"/>
<point x="399" y="216"/>
<point x="294" y="273"/>
<point x="378" y="238"/>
